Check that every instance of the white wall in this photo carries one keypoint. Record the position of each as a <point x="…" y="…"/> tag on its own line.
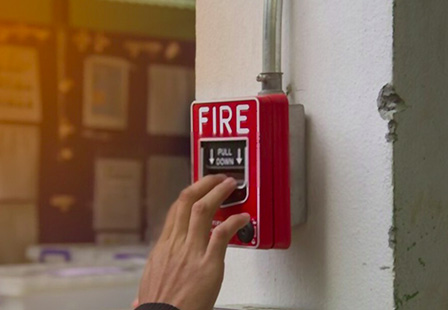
<point x="339" y="55"/>
<point x="420" y="155"/>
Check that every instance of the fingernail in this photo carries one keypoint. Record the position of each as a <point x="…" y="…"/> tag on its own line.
<point x="230" y="181"/>
<point x="247" y="215"/>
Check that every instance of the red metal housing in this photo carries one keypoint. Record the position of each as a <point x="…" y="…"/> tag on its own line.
<point x="248" y="139"/>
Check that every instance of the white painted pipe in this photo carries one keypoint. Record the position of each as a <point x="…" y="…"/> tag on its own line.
<point x="272" y="47"/>
<point x="272" y="38"/>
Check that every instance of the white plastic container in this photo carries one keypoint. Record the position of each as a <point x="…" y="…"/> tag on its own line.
<point x="86" y="253"/>
<point x="69" y="286"/>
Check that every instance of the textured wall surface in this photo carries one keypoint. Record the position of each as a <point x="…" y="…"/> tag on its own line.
<point x="338" y="55"/>
<point x="420" y="155"/>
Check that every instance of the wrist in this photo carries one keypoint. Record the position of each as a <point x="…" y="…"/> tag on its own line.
<point x="156" y="306"/>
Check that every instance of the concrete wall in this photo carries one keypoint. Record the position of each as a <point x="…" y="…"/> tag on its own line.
<point x="420" y="155"/>
<point x="338" y="56"/>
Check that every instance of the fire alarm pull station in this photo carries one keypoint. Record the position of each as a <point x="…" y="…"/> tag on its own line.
<point x="248" y="139"/>
<point x="258" y="141"/>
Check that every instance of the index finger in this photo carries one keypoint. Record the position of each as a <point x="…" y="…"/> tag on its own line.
<point x="203" y="211"/>
<point x="179" y="220"/>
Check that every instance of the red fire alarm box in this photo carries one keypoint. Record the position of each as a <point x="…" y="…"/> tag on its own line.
<point x="248" y="139"/>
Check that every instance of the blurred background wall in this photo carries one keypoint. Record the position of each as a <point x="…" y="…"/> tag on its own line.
<point x="87" y="149"/>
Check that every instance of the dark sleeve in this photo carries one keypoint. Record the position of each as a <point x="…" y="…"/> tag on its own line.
<point x="155" y="306"/>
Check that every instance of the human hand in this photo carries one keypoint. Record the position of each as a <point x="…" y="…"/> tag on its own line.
<point x="186" y="267"/>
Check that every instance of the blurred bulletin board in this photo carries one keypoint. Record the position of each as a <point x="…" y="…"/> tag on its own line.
<point x="106" y="91"/>
<point x="20" y="98"/>
<point x="167" y="176"/>
<point x="117" y="194"/>
<point x="19" y="156"/>
<point x="101" y="128"/>
<point x="27" y="81"/>
<point x="171" y="90"/>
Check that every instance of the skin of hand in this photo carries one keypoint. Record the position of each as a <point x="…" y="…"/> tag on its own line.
<point x="186" y="267"/>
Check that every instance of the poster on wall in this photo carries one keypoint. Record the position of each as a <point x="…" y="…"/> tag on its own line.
<point x="19" y="158"/>
<point x="20" y="98"/>
<point x="106" y="87"/>
<point x="171" y="90"/>
<point x="117" y="197"/>
<point x="165" y="178"/>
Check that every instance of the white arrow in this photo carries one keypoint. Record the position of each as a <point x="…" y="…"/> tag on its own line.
<point x="239" y="159"/>
<point x="211" y="159"/>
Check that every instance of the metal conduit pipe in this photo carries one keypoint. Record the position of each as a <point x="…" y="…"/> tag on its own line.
<point x="271" y="76"/>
